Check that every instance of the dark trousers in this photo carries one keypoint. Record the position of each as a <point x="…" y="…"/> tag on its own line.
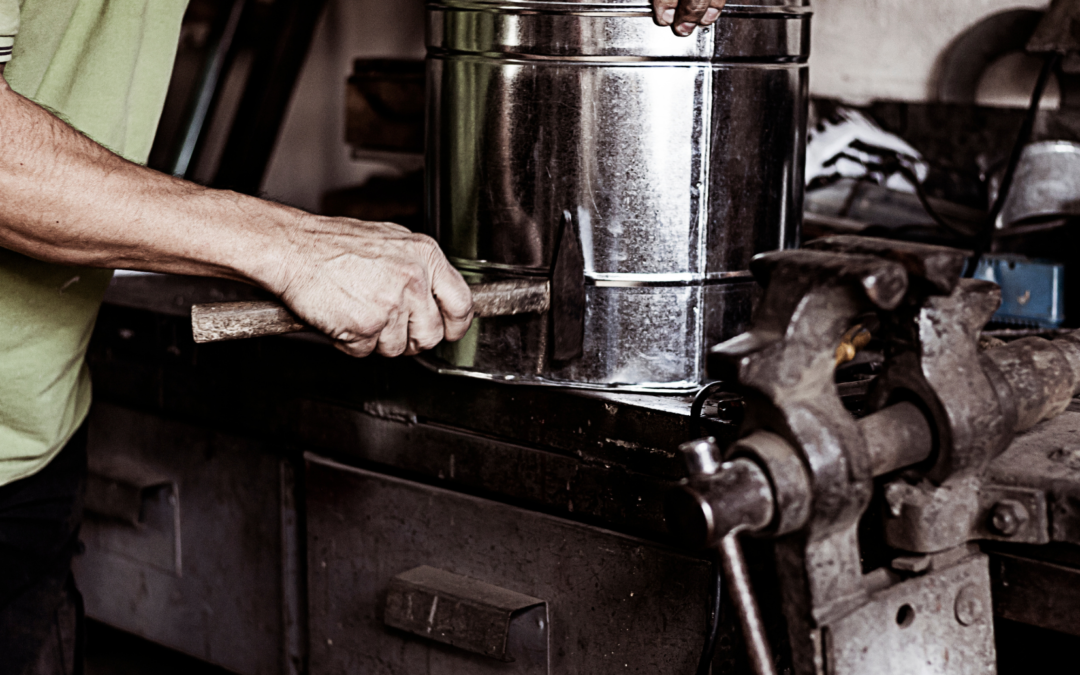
<point x="41" y="631"/>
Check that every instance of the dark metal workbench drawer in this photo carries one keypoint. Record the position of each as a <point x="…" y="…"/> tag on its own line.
<point x="191" y="541"/>
<point x="614" y="604"/>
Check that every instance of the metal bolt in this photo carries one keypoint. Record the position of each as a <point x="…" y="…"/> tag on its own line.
<point x="701" y="456"/>
<point x="969" y="605"/>
<point x="1008" y="517"/>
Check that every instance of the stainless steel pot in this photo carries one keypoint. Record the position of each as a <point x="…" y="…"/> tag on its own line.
<point x="668" y="162"/>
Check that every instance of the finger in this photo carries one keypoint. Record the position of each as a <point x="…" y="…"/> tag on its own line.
<point x="425" y="326"/>
<point x="453" y="297"/>
<point x="712" y="13"/>
<point x="356" y="346"/>
<point x="664" y="11"/>
<point x="394" y="339"/>
<point x="688" y="15"/>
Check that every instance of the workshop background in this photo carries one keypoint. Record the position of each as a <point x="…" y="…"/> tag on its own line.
<point x="253" y="504"/>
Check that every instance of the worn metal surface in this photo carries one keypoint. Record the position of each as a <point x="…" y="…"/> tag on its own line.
<point x="1013" y="514"/>
<point x="788" y="478"/>
<point x="896" y="437"/>
<point x="467" y="614"/>
<point x="787" y="362"/>
<point x="736" y="497"/>
<point x="230" y="605"/>
<point x="1045" y="185"/>
<point x="675" y="160"/>
<point x="931" y="624"/>
<point x="605" y="457"/>
<point x="1036" y="592"/>
<point x="742" y="595"/>
<point x="942" y="410"/>
<point x="1046" y="460"/>
<point x="117" y="486"/>
<point x="147" y="501"/>
<point x="616" y="604"/>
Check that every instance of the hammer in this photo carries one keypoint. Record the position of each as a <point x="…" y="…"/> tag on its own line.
<point x="219" y="321"/>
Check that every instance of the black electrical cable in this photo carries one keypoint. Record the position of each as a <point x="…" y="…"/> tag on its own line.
<point x="920" y="192"/>
<point x="708" y="650"/>
<point x="984" y="238"/>
<point x="698" y="405"/>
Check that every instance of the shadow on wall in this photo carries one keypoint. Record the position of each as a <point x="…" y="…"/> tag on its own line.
<point x="987" y="65"/>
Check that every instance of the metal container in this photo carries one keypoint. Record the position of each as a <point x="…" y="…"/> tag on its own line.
<point x="1046" y="185"/>
<point x="669" y="162"/>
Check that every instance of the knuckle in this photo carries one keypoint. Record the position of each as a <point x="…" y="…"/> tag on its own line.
<point x="424" y="244"/>
<point x="427" y="341"/>
<point x="413" y="273"/>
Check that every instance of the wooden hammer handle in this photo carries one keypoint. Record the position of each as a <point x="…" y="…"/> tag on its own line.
<point x="219" y="321"/>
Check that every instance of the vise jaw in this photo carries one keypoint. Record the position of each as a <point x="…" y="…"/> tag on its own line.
<point x="940" y="411"/>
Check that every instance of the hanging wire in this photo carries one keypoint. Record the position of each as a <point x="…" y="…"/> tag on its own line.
<point x="708" y="650"/>
<point x="984" y="238"/>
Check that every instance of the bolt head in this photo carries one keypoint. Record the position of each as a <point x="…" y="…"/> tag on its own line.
<point x="969" y="605"/>
<point x="1008" y="517"/>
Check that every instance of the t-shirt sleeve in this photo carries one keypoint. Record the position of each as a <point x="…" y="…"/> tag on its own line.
<point x="9" y="26"/>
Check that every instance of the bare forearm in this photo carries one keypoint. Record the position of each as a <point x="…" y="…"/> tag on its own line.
<point x="369" y="286"/>
<point x="68" y="200"/>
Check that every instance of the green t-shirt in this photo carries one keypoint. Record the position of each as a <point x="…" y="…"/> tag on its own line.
<point x="104" y="67"/>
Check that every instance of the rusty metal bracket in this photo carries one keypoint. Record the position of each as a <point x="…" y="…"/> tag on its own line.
<point x="1013" y="514"/>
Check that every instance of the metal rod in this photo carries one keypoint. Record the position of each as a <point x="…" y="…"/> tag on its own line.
<point x="742" y="593"/>
<point x="896" y="437"/>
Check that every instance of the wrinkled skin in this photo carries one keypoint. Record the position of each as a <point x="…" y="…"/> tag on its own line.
<point x="374" y="287"/>
<point x="685" y="15"/>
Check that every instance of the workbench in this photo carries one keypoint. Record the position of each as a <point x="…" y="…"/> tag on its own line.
<point x="303" y="480"/>
<point x="282" y="489"/>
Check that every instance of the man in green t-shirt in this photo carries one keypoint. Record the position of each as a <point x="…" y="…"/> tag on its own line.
<point x="76" y="205"/>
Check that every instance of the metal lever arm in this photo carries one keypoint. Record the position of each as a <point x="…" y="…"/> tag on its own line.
<point x="717" y="504"/>
<point x="742" y="594"/>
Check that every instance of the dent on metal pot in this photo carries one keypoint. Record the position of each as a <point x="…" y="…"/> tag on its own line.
<point x="577" y="129"/>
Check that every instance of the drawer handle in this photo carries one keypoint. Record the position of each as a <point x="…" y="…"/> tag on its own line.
<point x="120" y="487"/>
<point x="138" y="511"/>
<point x="469" y="614"/>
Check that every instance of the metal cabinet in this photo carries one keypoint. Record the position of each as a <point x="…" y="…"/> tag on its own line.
<point x="191" y="541"/>
<point x="382" y="550"/>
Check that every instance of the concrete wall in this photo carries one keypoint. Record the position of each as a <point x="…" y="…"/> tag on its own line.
<point x="864" y="50"/>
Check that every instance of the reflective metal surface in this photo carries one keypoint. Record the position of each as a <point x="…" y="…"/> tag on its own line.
<point x="675" y="159"/>
<point x="1046" y="186"/>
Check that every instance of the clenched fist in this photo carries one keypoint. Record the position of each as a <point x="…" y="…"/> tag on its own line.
<point x="685" y="15"/>
<point x="373" y="286"/>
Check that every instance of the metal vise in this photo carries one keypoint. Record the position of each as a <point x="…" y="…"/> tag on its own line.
<point x="804" y="470"/>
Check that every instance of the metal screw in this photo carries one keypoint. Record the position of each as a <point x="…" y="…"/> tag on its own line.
<point x="1007" y="517"/>
<point x="969" y="605"/>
